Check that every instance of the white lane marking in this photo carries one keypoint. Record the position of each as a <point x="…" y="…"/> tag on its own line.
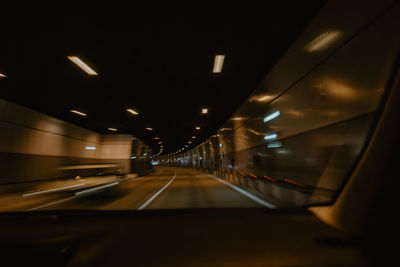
<point x="245" y="193"/>
<point x="52" y="190"/>
<point x="53" y="203"/>
<point x="96" y="188"/>
<point x="144" y="205"/>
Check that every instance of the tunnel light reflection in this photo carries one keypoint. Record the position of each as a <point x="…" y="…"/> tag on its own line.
<point x="112" y="129"/>
<point x="82" y="65"/>
<point x="96" y="188"/>
<point x="149" y="129"/>
<point x="270" y="137"/>
<point x="218" y="63"/>
<point x="204" y="110"/>
<point x="2" y="75"/>
<point x="53" y="190"/>
<point x="254" y="132"/>
<point x="322" y="41"/>
<point x="272" y="116"/>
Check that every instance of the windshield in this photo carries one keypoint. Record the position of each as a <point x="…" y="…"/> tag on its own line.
<point x="142" y="112"/>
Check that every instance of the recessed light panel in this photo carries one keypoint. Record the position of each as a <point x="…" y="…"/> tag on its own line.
<point x="82" y="65"/>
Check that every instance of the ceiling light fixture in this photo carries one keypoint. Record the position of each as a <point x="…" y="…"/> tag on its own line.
<point x="78" y="112"/>
<point x="2" y="75"/>
<point x="204" y="110"/>
<point x="82" y="65"/>
<point x="112" y="129"/>
<point x="197" y="128"/>
<point x="272" y="116"/>
<point x="270" y="136"/>
<point x="132" y="111"/>
<point x="149" y="129"/>
<point x="218" y="63"/>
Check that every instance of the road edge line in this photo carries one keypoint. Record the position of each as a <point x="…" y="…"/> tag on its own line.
<point x="245" y="193"/>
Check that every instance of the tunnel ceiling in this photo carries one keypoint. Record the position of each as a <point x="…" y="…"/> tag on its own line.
<point x="157" y="63"/>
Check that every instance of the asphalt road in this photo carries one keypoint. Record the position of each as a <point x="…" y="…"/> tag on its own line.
<point x="166" y="188"/>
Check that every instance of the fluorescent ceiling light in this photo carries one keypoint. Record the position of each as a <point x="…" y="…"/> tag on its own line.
<point x="149" y="129"/>
<point x="204" y="110"/>
<point x="82" y="65"/>
<point x="78" y="112"/>
<point x="270" y="136"/>
<point x="132" y="111"/>
<point x="194" y="137"/>
<point x="156" y="138"/>
<point x="112" y="129"/>
<point x="272" y="116"/>
<point x="90" y="147"/>
<point x="218" y="63"/>
<point x="2" y="75"/>
<point x="197" y="128"/>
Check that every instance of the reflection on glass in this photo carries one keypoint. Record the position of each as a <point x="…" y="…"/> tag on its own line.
<point x="274" y="144"/>
<point x="261" y="98"/>
<point x="238" y="118"/>
<point x="270" y="136"/>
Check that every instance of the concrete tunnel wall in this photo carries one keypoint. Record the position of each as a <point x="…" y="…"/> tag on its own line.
<point x="36" y="146"/>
